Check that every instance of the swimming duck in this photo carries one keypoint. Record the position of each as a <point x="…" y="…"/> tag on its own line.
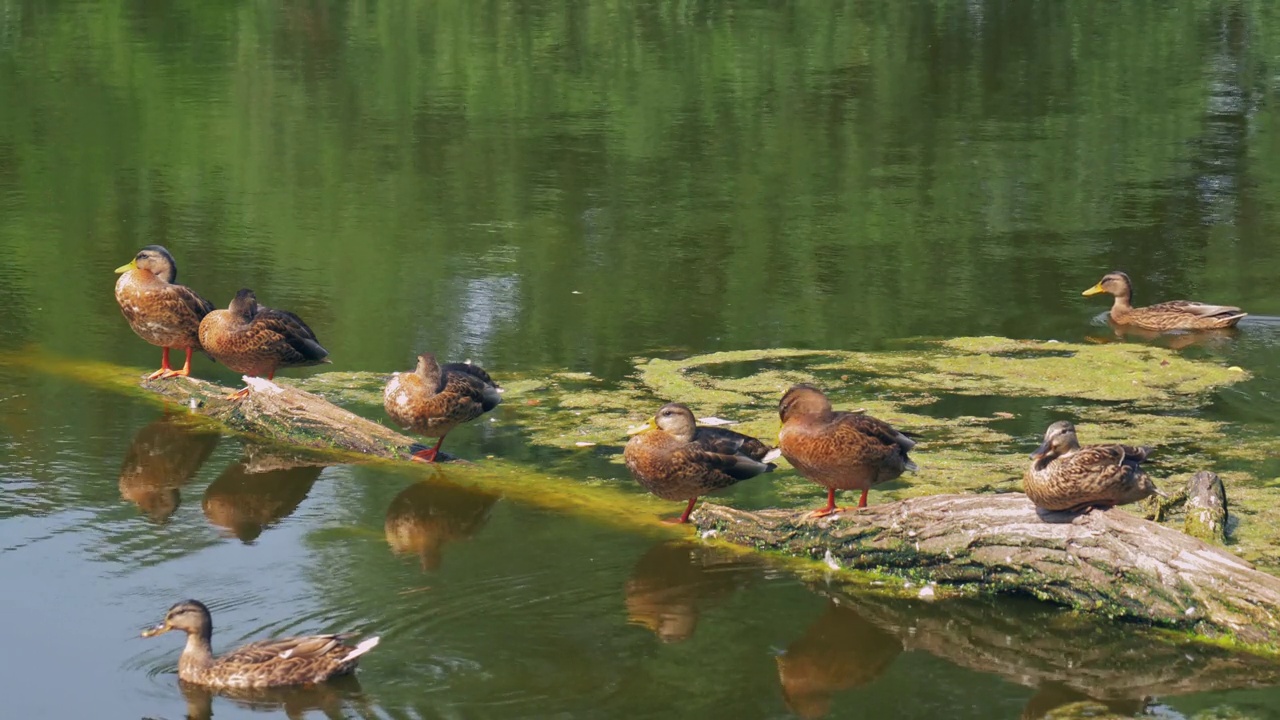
<point x="839" y="450"/>
<point x="1065" y="476"/>
<point x="432" y="399"/>
<point x="1171" y="315"/>
<point x="266" y="663"/>
<point x="675" y="459"/>
<point x="255" y="340"/>
<point x="158" y="309"/>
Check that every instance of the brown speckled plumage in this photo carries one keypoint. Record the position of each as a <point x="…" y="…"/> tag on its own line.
<point x="677" y="460"/>
<point x="1171" y="315"/>
<point x="266" y="663"/>
<point x="1065" y="476"/>
<point x="255" y="340"/>
<point x="432" y="399"/>
<point x="839" y="450"/>
<point x="159" y="310"/>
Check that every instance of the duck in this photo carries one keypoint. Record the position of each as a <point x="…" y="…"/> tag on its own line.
<point x="675" y="459"/>
<point x="255" y="340"/>
<point x="1065" y="476"/>
<point x="839" y="450"/>
<point x="159" y="310"/>
<point x="433" y="399"/>
<point x="1171" y="315"/>
<point x="267" y="663"/>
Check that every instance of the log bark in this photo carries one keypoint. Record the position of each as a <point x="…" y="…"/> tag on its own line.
<point x="288" y="416"/>
<point x="1206" y="516"/>
<point x="1102" y="561"/>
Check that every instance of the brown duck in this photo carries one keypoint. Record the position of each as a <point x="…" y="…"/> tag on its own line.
<point x="255" y="340"/>
<point x="266" y="663"/>
<point x="839" y="450"/>
<point x="675" y="459"/>
<point x="433" y="399"/>
<point x="158" y="309"/>
<point x="1065" y="476"/>
<point x="1171" y="315"/>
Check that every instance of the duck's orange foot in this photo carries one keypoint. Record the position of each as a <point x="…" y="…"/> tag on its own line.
<point x="238" y="395"/>
<point x="427" y="455"/>
<point x="823" y="512"/>
<point x="168" y="373"/>
<point x="675" y="520"/>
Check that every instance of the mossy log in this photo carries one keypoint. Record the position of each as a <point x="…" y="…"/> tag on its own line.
<point x="1109" y="562"/>
<point x="288" y="416"/>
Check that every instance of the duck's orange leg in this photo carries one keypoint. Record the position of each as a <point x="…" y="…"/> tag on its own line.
<point x="428" y="454"/>
<point x="184" y="372"/>
<point x="830" y="508"/>
<point x="164" y="366"/>
<point x="685" y="517"/>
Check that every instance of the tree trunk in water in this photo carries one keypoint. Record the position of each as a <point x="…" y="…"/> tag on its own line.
<point x="1103" y="561"/>
<point x="287" y="415"/>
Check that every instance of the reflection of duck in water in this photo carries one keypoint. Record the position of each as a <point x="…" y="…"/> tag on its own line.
<point x="258" y="491"/>
<point x="1051" y="696"/>
<point x="673" y="581"/>
<point x="163" y="457"/>
<point x="840" y="650"/>
<point x="329" y="698"/>
<point x="426" y="516"/>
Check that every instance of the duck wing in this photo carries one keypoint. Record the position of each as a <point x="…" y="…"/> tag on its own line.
<point x="875" y="429"/>
<point x="307" y="647"/>
<point x="1194" y="309"/>
<point x="728" y="442"/>
<point x="297" y="341"/>
<point x="473" y="381"/>
<point x="738" y="467"/>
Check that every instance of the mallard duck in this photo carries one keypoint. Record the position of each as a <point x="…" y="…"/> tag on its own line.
<point x="432" y="399"/>
<point x="675" y="459"/>
<point x="158" y="309"/>
<point x="839" y="450"/>
<point x="1065" y="476"/>
<point x="1171" y="315"/>
<point x="840" y="650"/>
<point x="266" y="663"/>
<point x="256" y="340"/>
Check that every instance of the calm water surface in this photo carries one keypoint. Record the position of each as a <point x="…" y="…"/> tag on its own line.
<point x="568" y="185"/>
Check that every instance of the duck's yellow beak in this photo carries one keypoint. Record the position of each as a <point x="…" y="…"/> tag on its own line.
<point x="156" y="630"/>
<point x="646" y="427"/>
<point x="1094" y="290"/>
<point x="133" y="265"/>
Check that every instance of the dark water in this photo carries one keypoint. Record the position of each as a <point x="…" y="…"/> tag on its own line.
<point x="568" y="185"/>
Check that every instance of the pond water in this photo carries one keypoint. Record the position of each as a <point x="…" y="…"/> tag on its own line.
<point x="566" y="186"/>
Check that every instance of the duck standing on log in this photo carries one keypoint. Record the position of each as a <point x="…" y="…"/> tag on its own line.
<point x="433" y="399"/>
<point x="256" y="340"/>
<point x="1065" y="476"/>
<point x="837" y="449"/>
<point x="675" y="459"/>
<point x="158" y="309"/>
<point x="267" y="663"/>
<point x="1171" y="315"/>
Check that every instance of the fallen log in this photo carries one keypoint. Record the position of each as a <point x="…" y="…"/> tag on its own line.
<point x="1107" y="562"/>
<point x="1110" y="563"/>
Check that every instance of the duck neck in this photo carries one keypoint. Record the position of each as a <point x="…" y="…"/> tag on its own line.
<point x="198" y="654"/>
<point x="1122" y="301"/>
